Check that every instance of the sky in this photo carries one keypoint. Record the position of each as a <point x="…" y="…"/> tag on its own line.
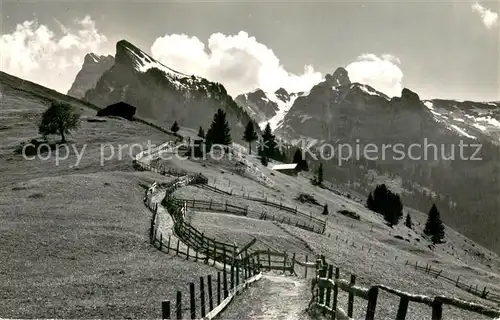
<point x="445" y="49"/>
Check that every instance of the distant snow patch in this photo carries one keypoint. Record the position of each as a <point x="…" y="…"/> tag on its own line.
<point x="462" y="132"/>
<point x="366" y="89"/>
<point x="480" y="127"/>
<point x="304" y="118"/>
<point x="283" y="108"/>
<point x="489" y="120"/>
<point x="429" y="105"/>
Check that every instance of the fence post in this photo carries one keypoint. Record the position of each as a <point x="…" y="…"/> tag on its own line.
<point x="192" y="303"/>
<point x="210" y="293"/>
<point x="437" y="310"/>
<point x="329" y="289"/>
<point x="335" y="293"/>
<point x="187" y="253"/>
<point x="372" y="303"/>
<point x="458" y="279"/>
<point x="232" y="275"/>
<point x="218" y="287"/>
<point x="202" y="296"/>
<point x="177" y="249"/>
<point x="305" y="267"/>
<point x="245" y="268"/>
<point x="269" y="257"/>
<point x="293" y="263"/>
<point x="161" y="241"/>
<point x="322" y="274"/>
<point x="165" y="309"/>
<point x="225" y="283"/>
<point x="284" y="261"/>
<point x="237" y="273"/>
<point x="483" y="295"/>
<point x="178" y="306"/>
<point x="350" y="303"/>
<point x="168" y="244"/>
<point x="403" y="308"/>
<point x="215" y="252"/>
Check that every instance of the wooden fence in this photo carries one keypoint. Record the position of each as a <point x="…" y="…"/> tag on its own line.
<point x="317" y="225"/>
<point x="328" y="284"/>
<point x="207" y="300"/>
<point x="484" y="293"/>
<point x="245" y="211"/>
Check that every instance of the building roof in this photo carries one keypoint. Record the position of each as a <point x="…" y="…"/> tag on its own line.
<point x="286" y="166"/>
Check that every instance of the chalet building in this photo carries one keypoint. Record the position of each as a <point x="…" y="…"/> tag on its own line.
<point x="288" y="168"/>
<point x="120" y="109"/>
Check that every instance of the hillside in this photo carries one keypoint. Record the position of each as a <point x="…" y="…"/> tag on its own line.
<point x="75" y="238"/>
<point x="87" y="218"/>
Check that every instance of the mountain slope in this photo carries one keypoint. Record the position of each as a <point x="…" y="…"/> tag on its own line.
<point x="164" y="95"/>
<point x="267" y="107"/>
<point x="337" y="111"/>
<point x="93" y="68"/>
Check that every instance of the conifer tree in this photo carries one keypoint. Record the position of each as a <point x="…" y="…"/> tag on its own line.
<point x="386" y="203"/>
<point x="325" y="210"/>
<point x="370" y="202"/>
<point x="175" y="127"/>
<point x="318" y="179"/>
<point x="300" y="161"/>
<point x="434" y="226"/>
<point x="201" y="132"/>
<point x="268" y="146"/>
<point x="250" y="135"/>
<point x="408" y="222"/>
<point x="219" y="132"/>
<point x="264" y="160"/>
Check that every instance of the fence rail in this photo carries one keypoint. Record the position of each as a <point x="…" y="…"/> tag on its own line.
<point x="484" y="293"/>
<point x="328" y="283"/>
<point x="245" y="211"/>
<point x="321" y="224"/>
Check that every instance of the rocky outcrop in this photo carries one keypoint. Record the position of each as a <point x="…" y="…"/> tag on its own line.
<point x="93" y="68"/>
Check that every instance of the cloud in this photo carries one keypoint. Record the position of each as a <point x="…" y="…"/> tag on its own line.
<point x="33" y="51"/>
<point x="380" y="72"/>
<point x="489" y="18"/>
<point x="239" y="61"/>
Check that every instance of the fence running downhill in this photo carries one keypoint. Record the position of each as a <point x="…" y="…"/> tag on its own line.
<point x="315" y="224"/>
<point x="475" y="290"/>
<point x="243" y="265"/>
<point x="228" y="207"/>
<point x="328" y="284"/>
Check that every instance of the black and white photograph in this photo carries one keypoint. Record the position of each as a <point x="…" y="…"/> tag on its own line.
<point x="250" y="159"/>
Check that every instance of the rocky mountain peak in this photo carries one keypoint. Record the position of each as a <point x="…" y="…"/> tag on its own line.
<point x="339" y="78"/>
<point x="92" y="58"/>
<point x="410" y="96"/>
<point x="93" y="68"/>
<point x="282" y="94"/>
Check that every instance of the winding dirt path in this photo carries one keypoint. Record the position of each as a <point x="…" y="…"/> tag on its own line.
<point x="271" y="298"/>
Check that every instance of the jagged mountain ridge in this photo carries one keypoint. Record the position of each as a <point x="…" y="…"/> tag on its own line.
<point x="268" y="107"/>
<point x="164" y="95"/>
<point x="337" y="111"/>
<point x="92" y="69"/>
